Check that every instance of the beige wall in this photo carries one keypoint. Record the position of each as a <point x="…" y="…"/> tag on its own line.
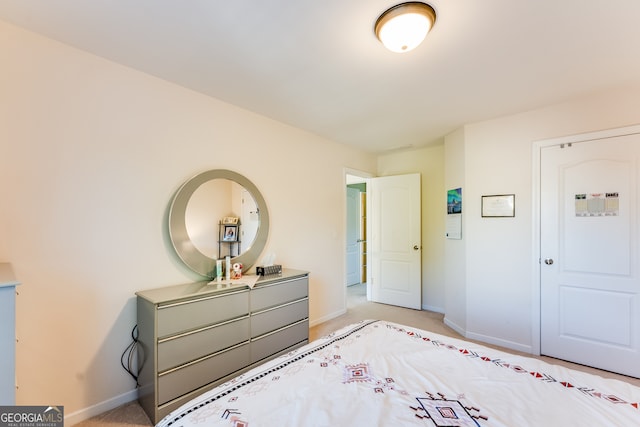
<point x="92" y="153"/>
<point x="455" y="255"/>
<point x="498" y="159"/>
<point x="485" y="281"/>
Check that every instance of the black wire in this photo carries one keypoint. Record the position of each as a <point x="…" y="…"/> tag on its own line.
<point x="129" y="353"/>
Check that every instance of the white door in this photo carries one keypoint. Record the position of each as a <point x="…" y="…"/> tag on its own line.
<point x="353" y="237"/>
<point x="590" y="284"/>
<point x="249" y="221"/>
<point x="395" y="245"/>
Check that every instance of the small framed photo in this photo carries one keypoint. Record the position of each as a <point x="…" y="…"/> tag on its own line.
<point x="500" y="205"/>
<point x="230" y="233"/>
<point x="454" y="201"/>
<point x="230" y="220"/>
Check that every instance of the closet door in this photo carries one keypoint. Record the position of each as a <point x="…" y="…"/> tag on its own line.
<point x="590" y="285"/>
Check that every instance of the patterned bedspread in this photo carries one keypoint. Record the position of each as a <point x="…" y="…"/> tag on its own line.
<point x="377" y="373"/>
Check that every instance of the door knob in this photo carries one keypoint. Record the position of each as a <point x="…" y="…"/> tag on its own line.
<point x="416" y="247"/>
<point x="548" y="261"/>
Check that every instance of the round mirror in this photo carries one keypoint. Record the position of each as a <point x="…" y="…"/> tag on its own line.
<point x="214" y="214"/>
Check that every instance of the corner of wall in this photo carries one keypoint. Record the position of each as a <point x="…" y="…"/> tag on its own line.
<point x="455" y="306"/>
<point x="100" y="408"/>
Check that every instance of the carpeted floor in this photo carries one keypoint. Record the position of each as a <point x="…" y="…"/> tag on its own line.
<point x="358" y="308"/>
<point x="128" y="415"/>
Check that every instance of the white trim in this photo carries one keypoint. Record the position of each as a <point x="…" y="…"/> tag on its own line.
<point x="535" y="230"/>
<point x="366" y="176"/>
<point x="499" y="342"/>
<point x="454" y="326"/>
<point x="99" y="408"/>
<point x="358" y="173"/>
<point x="327" y="317"/>
<point x="590" y="136"/>
<point x="536" y="215"/>
<point x="433" y="308"/>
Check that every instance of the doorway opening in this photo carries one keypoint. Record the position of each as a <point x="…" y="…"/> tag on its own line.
<point x="392" y="239"/>
<point x="356" y="237"/>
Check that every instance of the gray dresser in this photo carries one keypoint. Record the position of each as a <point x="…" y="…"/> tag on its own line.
<point x="8" y="285"/>
<point x="195" y="336"/>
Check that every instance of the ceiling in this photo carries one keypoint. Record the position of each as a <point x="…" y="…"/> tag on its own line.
<point x="317" y="65"/>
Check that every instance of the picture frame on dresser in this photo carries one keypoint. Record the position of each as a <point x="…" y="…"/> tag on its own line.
<point x="230" y="233"/>
<point x="230" y="220"/>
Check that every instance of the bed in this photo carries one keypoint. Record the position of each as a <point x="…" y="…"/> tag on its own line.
<point x="378" y="373"/>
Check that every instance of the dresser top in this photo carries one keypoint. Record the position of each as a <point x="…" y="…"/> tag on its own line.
<point x="203" y="288"/>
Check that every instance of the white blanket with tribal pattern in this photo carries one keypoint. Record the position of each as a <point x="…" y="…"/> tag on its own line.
<point x="377" y="373"/>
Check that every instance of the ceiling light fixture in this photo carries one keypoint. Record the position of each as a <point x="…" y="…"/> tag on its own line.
<point x="404" y="26"/>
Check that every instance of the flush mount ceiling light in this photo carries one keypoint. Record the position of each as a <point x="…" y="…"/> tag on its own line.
<point x="403" y="27"/>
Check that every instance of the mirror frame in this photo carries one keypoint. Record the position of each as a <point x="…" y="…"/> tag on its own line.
<point x="182" y="244"/>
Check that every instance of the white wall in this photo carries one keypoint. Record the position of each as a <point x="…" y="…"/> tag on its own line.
<point x="499" y="251"/>
<point x="92" y="153"/>
<point x="485" y="281"/>
<point x="455" y="251"/>
<point x="429" y="163"/>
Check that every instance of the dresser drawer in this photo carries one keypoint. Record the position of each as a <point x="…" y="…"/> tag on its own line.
<point x="184" y="348"/>
<point x="275" y="318"/>
<point x="279" y="293"/>
<point x="187" y="315"/>
<point x="188" y="378"/>
<point x="275" y="342"/>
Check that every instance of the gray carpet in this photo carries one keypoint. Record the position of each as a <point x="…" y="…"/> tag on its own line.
<point x="128" y="415"/>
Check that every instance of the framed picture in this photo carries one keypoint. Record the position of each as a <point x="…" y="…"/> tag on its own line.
<point x="501" y="205"/>
<point x="230" y="220"/>
<point x="230" y="233"/>
<point x="454" y="201"/>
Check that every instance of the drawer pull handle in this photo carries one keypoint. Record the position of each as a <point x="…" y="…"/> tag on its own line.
<point x="279" y="306"/>
<point x="279" y="329"/>
<point x="267" y="285"/>
<point x="195" y="331"/>
<point x="191" y="301"/>
<point x="208" y="356"/>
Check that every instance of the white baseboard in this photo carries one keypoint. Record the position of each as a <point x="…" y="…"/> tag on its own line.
<point x="433" y="309"/>
<point x="500" y="342"/>
<point x="489" y="339"/>
<point x="454" y="326"/>
<point x="327" y="317"/>
<point x="99" y="408"/>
